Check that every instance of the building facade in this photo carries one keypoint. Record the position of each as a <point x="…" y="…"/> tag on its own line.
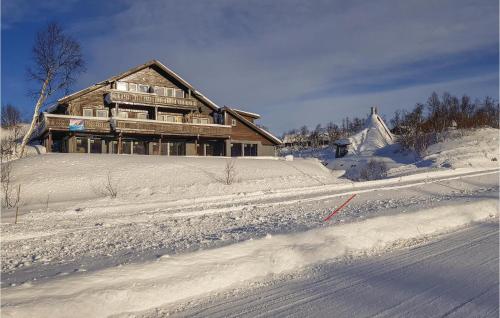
<point x="151" y="110"/>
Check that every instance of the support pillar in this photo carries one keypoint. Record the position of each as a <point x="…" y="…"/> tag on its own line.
<point x="49" y="142"/>
<point x="227" y="147"/>
<point x="159" y="146"/>
<point x="120" y="144"/>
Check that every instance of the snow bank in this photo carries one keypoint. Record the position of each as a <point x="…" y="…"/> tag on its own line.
<point x="144" y="286"/>
<point x="76" y="177"/>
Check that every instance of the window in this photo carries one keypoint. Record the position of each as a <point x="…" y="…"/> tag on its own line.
<point x="102" y="113"/>
<point x="204" y="121"/>
<point x="123" y="114"/>
<point x="81" y="145"/>
<point x="143" y="88"/>
<point x="196" y="120"/>
<point x="121" y="86"/>
<point x="179" y="93"/>
<point x="170" y="92"/>
<point x="87" y="112"/>
<point x="142" y="115"/>
<point x="160" y="91"/>
<point x="233" y="122"/>
<point x="132" y="87"/>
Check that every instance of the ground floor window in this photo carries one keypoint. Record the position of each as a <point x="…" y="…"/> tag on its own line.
<point x="178" y="148"/>
<point x="140" y="148"/>
<point x="96" y="145"/>
<point x="236" y="149"/>
<point x="250" y="150"/>
<point x="81" y="145"/>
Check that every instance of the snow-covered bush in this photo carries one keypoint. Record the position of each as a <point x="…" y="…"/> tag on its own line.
<point x="373" y="170"/>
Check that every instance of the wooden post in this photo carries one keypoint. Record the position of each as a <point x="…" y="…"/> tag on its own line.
<point x="156" y="113"/>
<point x="17" y="202"/>
<point x="119" y="144"/>
<point x="49" y="142"/>
<point x="159" y="146"/>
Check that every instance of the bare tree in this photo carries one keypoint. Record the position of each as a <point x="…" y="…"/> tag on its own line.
<point x="11" y="122"/>
<point x="108" y="188"/>
<point x="57" y="58"/>
<point x="229" y="172"/>
<point x="11" y="116"/>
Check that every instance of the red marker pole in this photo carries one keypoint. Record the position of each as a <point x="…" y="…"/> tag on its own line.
<point x="340" y="207"/>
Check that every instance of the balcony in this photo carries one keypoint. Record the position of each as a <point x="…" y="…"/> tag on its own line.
<point x="134" y="98"/>
<point x="144" y="126"/>
<point x="72" y="123"/>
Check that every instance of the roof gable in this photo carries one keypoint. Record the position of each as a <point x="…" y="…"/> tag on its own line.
<point x="152" y="63"/>
<point x="253" y="126"/>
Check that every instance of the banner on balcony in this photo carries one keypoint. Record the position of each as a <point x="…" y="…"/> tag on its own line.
<point x="76" y="125"/>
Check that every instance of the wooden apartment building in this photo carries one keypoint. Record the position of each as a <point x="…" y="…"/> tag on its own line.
<point x="149" y="109"/>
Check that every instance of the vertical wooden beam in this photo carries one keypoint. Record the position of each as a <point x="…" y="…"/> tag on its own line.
<point x="119" y="143"/>
<point x="49" y="142"/>
<point x="159" y="146"/>
<point x="156" y="112"/>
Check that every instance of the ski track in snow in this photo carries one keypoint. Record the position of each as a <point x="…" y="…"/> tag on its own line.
<point x="53" y="243"/>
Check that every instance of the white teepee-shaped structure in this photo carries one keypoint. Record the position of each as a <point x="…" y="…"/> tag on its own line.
<point x="374" y="136"/>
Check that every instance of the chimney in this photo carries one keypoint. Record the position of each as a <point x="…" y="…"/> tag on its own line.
<point x="373" y="110"/>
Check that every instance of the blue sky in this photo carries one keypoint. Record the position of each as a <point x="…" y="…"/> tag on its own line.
<point x="294" y="62"/>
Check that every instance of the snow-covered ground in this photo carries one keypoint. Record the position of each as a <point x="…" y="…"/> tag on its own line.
<point x="176" y="226"/>
<point x="454" y="275"/>
<point x="139" y="287"/>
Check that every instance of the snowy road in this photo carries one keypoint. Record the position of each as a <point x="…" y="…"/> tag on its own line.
<point x="455" y="276"/>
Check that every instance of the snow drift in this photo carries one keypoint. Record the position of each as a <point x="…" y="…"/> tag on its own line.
<point x="140" y="287"/>
<point x="76" y="177"/>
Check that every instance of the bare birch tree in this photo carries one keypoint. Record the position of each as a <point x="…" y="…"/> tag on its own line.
<point x="57" y="58"/>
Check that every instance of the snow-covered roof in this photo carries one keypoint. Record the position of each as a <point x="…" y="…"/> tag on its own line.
<point x="342" y="142"/>
<point x="245" y="113"/>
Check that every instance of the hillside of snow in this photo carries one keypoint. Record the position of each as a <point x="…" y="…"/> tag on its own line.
<point x="57" y="177"/>
<point x="472" y="148"/>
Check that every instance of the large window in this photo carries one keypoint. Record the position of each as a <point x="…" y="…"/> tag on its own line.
<point x="102" y="113"/>
<point x="170" y="92"/>
<point x="87" y="112"/>
<point x="132" y="87"/>
<point x="143" y="88"/>
<point x="160" y="90"/>
<point x="122" y="114"/>
<point x="250" y="150"/>
<point x="142" y="115"/>
<point x="95" y="145"/>
<point x="179" y="93"/>
<point x="81" y="145"/>
<point x="121" y="86"/>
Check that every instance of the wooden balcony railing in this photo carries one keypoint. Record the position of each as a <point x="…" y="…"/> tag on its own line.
<point x="131" y="126"/>
<point x="73" y="123"/>
<point x="179" y="129"/>
<point x="149" y="99"/>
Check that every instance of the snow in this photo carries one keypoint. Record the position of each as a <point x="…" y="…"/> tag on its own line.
<point x="452" y="275"/>
<point x="176" y="231"/>
<point x="140" y="287"/>
<point x="476" y="148"/>
<point x="75" y="177"/>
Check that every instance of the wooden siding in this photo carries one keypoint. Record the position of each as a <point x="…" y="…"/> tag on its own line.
<point x="93" y="99"/>
<point x="242" y="132"/>
<point x="184" y="129"/>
